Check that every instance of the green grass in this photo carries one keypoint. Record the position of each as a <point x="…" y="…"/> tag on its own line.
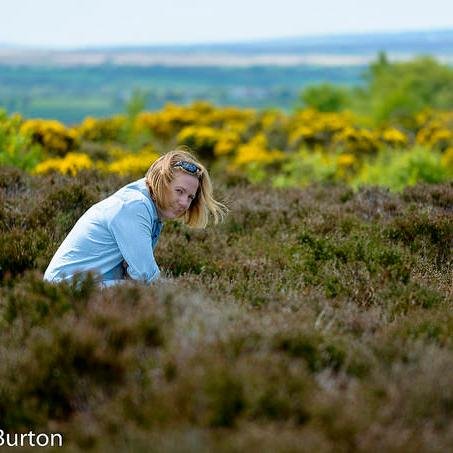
<point x="313" y="319"/>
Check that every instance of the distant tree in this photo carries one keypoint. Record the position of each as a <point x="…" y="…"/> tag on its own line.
<point x="393" y="92"/>
<point x="325" y="97"/>
<point x="396" y="91"/>
<point x="137" y="102"/>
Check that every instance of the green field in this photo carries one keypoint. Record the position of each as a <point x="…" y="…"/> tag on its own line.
<point x="70" y="94"/>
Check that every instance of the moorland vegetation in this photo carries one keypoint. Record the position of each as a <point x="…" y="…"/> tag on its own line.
<point x="317" y="317"/>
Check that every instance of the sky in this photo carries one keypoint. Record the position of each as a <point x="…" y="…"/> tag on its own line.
<point x="85" y="23"/>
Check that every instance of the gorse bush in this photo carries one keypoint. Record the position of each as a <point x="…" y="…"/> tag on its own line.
<point x="50" y="134"/>
<point x="286" y="150"/>
<point x="16" y="147"/>
<point x="399" y="170"/>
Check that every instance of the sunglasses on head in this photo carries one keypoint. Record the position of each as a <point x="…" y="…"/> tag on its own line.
<point x="189" y="167"/>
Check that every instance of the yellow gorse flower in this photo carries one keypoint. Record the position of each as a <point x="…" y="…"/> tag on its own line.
<point x="71" y="164"/>
<point x="223" y="117"/>
<point x="394" y="137"/>
<point x="346" y="160"/>
<point x="356" y="141"/>
<point x="50" y="134"/>
<point x="312" y="128"/>
<point x="132" y="163"/>
<point x="101" y="129"/>
<point x="167" y="122"/>
<point x="227" y="143"/>
<point x="198" y="136"/>
<point x="435" y="129"/>
<point x="256" y="151"/>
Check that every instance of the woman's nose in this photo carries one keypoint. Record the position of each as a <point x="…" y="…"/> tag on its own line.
<point x="185" y="203"/>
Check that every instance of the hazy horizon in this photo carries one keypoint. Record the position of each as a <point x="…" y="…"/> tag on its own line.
<point x="75" y="24"/>
<point x="319" y="36"/>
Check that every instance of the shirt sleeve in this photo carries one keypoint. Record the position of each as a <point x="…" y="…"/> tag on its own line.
<point x="132" y="229"/>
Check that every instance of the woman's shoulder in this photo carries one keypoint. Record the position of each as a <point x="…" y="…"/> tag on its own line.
<point x="135" y="196"/>
<point x="132" y="191"/>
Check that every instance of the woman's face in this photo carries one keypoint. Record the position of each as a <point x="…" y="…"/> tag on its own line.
<point x="179" y="196"/>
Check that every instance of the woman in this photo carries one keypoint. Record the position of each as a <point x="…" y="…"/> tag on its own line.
<point x="116" y="237"/>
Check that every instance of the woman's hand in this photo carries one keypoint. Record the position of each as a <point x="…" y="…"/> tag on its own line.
<point x="125" y="266"/>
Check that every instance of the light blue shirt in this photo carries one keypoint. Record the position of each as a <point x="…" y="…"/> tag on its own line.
<point x="123" y="227"/>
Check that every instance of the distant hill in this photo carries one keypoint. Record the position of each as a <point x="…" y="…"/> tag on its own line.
<point x="329" y="50"/>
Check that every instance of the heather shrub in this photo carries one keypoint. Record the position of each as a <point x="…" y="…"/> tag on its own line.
<point x="78" y="346"/>
<point x="433" y="232"/>
<point x="37" y="212"/>
<point x="12" y="178"/>
<point x="313" y="349"/>
<point x="312" y="319"/>
<point x="73" y="199"/>
<point x="19" y="251"/>
<point x="429" y="194"/>
<point x="33" y="302"/>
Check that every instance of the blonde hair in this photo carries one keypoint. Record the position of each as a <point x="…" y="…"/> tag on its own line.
<point x="161" y="174"/>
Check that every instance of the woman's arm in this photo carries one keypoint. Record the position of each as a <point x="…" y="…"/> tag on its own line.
<point x="132" y="228"/>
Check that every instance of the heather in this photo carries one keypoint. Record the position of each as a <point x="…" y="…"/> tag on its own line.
<point x="317" y="317"/>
